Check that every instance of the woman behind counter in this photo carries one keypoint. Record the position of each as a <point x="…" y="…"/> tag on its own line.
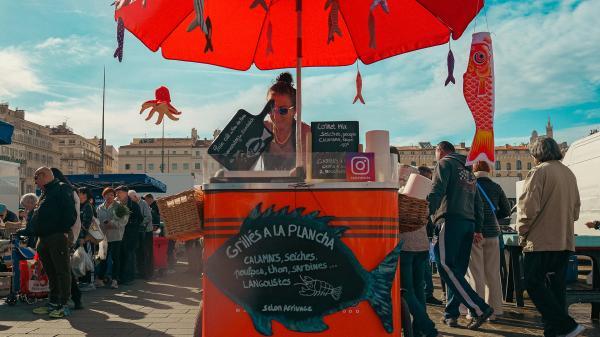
<point x="281" y="152"/>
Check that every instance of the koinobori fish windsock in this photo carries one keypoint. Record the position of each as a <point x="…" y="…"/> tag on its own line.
<point x="478" y="89"/>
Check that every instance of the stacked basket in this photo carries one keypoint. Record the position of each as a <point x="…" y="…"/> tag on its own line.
<point x="182" y="215"/>
<point x="412" y="213"/>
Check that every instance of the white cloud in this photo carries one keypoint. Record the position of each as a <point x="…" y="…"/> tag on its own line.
<point x="16" y="74"/>
<point x="76" y="48"/>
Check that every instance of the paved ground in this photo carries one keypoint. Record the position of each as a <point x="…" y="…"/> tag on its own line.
<point x="168" y="307"/>
<point x="162" y="307"/>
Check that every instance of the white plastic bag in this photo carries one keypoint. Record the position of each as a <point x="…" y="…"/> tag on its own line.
<point x="89" y="264"/>
<point x="78" y="264"/>
<point x="102" y="249"/>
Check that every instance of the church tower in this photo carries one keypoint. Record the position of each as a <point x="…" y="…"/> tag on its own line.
<point x="549" y="131"/>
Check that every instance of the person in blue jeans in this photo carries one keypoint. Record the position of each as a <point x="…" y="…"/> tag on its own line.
<point x="457" y="212"/>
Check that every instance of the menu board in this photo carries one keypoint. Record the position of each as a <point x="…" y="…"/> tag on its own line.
<point x="330" y="142"/>
<point x="294" y="268"/>
<point x="240" y="144"/>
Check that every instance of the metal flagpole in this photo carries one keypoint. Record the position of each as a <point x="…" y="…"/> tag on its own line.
<point x="162" y="152"/>
<point x="102" y="141"/>
<point x="299" y="157"/>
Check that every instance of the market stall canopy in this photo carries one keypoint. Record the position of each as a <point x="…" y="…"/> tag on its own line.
<point x="6" y="132"/>
<point x="262" y="32"/>
<point x="138" y="182"/>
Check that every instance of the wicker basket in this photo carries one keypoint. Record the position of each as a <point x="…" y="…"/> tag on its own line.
<point x="412" y="213"/>
<point x="182" y="214"/>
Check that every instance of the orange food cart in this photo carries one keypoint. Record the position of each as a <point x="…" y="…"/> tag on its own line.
<point x="368" y="212"/>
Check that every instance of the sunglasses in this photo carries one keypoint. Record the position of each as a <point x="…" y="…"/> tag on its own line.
<point x="282" y="110"/>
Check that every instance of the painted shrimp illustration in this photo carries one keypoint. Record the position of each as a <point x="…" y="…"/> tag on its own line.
<point x="162" y="105"/>
<point x="314" y="288"/>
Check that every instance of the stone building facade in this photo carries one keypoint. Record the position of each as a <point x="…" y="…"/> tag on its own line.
<point x="32" y="146"/>
<point x="79" y="154"/>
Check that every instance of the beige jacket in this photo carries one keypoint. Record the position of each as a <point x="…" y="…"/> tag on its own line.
<point x="548" y="208"/>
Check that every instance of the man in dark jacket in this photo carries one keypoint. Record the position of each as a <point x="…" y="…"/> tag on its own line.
<point x="52" y="221"/>
<point x="130" y="237"/>
<point x="457" y="211"/>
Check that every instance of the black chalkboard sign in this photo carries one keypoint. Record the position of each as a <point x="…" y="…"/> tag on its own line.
<point x="243" y="140"/>
<point x="294" y="268"/>
<point x="330" y="142"/>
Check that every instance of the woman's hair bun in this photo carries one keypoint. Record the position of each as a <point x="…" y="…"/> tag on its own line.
<point x="285" y="77"/>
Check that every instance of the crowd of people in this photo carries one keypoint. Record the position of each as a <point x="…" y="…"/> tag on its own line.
<point x="465" y="207"/>
<point x="65" y="219"/>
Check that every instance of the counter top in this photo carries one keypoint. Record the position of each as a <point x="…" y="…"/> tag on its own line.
<point x="300" y="186"/>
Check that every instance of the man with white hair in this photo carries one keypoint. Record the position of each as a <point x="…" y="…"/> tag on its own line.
<point x="144" y="248"/>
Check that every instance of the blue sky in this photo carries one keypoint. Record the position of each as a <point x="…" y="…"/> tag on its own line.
<point x="546" y="64"/>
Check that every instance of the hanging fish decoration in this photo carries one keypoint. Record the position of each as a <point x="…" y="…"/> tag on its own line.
<point x="162" y="105"/>
<point x="198" y="21"/>
<point x="208" y="36"/>
<point x="382" y="3"/>
<point x="261" y="3"/>
<point x="120" y="39"/>
<point x="122" y="3"/>
<point x="450" y="65"/>
<point x="478" y="89"/>
<point x="269" y="38"/>
<point x="333" y="20"/>
<point x="358" y="89"/>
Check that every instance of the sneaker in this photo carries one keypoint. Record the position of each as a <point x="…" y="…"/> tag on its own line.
<point x="576" y="332"/>
<point x="433" y="301"/>
<point x="451" y="322"/>
<point x="60" y="312"/>
<point x="45" y="310"/>
<point x="476" y="322"/>
<point x="99" y="283"/>
<point x="87" y="287"/>
<point x="114" y="284"/>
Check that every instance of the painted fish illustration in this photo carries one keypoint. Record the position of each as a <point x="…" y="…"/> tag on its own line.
<point x="199" y="19"/>
<point x="333" y="20"/>
<point x="372" y="42"/>
<point x="208" y="36"/>
<point x="314" y="288"/>
<point x="450" y="64"/>
<point x="382" y="3"/>
<point x="478" y="89"/>
<point x="358" y="89"/>
<point x="293" y="267"/>
<point x="260" y="3"/>
<point x="120" y="39"/>
<point x="269" y="38"/>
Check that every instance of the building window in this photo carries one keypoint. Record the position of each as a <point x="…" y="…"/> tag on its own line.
<point x="413" y="163"/>
<point x="529" y="166"/>
<point x="498" y="165"/>
<point x="508" y="167"/>
<point x="174" y="152"/>
<point x="174" y="166"/>
<point x="198" y="153"/>
<point x="186" y="166"/>
<point x="151" y="167"/>
<point x="139" y="152"/>
<point x="139" y="167"/>
<point x="197" y="166"/>
<point x="519" y="165"/>
<point x="127" y="166"/>
<point x="151" y="152"/>
<point x="127" y="153"/>
<point x="185" y="152"/>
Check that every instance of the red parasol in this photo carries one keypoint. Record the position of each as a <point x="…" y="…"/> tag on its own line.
<point x="275" y="34"/>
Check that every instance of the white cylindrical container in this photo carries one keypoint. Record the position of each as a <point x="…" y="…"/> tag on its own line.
<point x="417" y="186"/>
<point x="378" y="142"/>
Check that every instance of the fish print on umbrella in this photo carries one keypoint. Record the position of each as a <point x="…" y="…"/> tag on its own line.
<point x="358" y="89"/>
<point x="478" y="89"/>
<point x="162" y="105"/>
<point x="376" y="3"/>
<point x="120" y="39"/>
<point x="208" y="35"/>
<point x="333" y="20"/>
<point x="198" y="21"/>
<point x="292" y="267"/>
<point x="122" y="3"/>
<point x="261" y="3"/>
<point x="269" y="38"/>
<point x="450" y="65"/>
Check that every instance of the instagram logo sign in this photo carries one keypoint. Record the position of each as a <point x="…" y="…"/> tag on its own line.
<point x="360" y="166"/>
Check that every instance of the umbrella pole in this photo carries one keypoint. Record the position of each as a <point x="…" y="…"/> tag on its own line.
<point x="299" y="157"/>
